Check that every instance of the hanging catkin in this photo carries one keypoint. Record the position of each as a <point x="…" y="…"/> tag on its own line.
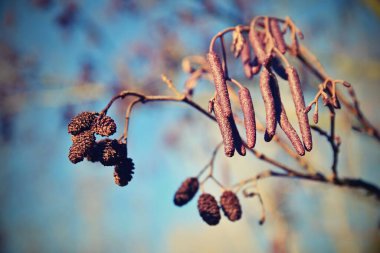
<point x="249" y="116"/>
<point x="299" y="103"/>
<point x="220" y="83"/>
<point x="269" y="104"/>
<point x="246" y="60"/>
<point x="277" y="35"/>
<point x="258" y="47"/>
<point x="225" y="130"/>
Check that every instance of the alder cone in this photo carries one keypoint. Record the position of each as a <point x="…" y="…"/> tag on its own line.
<point x="94" y="154"/>
<point x="81" y="122"/>
<point x="105" y="126"/>
<point x="76" y="153"/>
<point x="82" y="144"/>
<point x="220" y="83"/>
<point x="208" y="209"/>
<point x="123" y="172"/>
<point x="230" y="205"/>
<point x="186" y="191"/>
<point x="112" y="151"/>
<point x="249" y="116"/>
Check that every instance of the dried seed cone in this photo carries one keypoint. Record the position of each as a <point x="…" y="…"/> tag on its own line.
<point x="82" y="144"/>
<point x="94" y="154"/>
<point x="230" y="205"/>
<point x="246" y="60"/>
<point x="186" y="191"/>
<point x="105" y="126"/>
<point x="208" y="209"/>
<point x="269" y="104"/>
<point x="277" y="35"/>
<point x="220" y="83"/>
<point x="283" y="120"/>
<point x="76" y="153"/>
<point x="249" y="116"/>
<point x="81" y="122"/>
<point x="299" y="103"/>
<point x="112" y="152"/>
<point x="225" y="130"/>
<point x="123" y="172"/>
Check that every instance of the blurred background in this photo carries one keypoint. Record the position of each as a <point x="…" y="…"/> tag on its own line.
<point x="58" y="58"/>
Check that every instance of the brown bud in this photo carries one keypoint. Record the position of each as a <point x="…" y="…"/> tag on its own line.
<point x="186" y="191"/>
<point x="220" y="83"/>
<point x="249" y="116"/>
<point x="246" y="60"/>
<point x="81" y="122"/>
<point x="123" y="171"/>
<point x="269" y="104"/>
<point x="104" y="126"/>
<point x="208" y="209"/>
<point x="112" y="151"/>
<point x="225" y="130"/>
<point x="259" y="48"/>
<point x="230" y="205"/>
<point x="277" y="35"/>
<point x="299" y="103"/>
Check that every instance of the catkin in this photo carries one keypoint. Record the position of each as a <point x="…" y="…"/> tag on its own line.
<point x="225" y="130"/>
<point x="220" y="83"/>
<point x="283" y="120"/>
<point x="277" y="35"/>
<point x="246" y="60"/>
<point x="269" y="104"/>
<point x="299" y="103"/>
<point x="258" y="47"/>
<point x="186" y="191"/>
<point x="249" y="116"/>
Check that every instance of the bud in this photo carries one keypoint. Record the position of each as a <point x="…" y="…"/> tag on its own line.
<point x="249" y="116"/>
<point x="123" y="171"/>
<point x="105" y="125"/>
<point x="230" y="205"/>
<point x="208" y="209"/>
<point x="81" y="122"/>
<point x="186" y="191"/>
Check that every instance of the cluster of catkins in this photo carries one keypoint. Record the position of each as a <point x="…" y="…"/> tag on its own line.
<point x="109" y="152"/>
<point x="208" y="207"/>
<point x="266" y="60"/>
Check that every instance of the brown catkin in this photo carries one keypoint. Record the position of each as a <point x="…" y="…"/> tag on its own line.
<point x="249" y="116"/>
<point x="105" y="125"/>
<point x="186" y="191"/>
<point x="269" y="104"/>
<point x="259" y="48"/>
<point x="220" y="83"/>
<point x="277" y="35"/>
<point x="283" y="120"/>
<point x="208" y="209"/>
<point x="299" y="103"/>
<point x="81" y="122"/>
<point x="225" y="130"/>
<point x="123" y="171"/>
<point x="230" y="205"/>
<point x="246" y="59"/>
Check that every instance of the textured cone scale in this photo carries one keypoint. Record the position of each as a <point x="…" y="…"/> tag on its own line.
<point x="246" y="59"/>
<point x="123" y="172"/>
<point x="85" y="139"/>
<point x="76" y="153"/>
<point x="230" y="205"/>
<point x="225" y="130"/>
<point x="283" y="120"/>
<point x="299" y="103"/>
<point x="270" y="109"/>
<point x="208" y="209"/>
<point x="105" y="126"/>
<point x="94" y="154"/>
<point x="186" y="191"/>
<point x="82" y="122"/>
<point x="112" y="151"/>
<point x="277" y="35"/>
<point x="249" y="116"/>
<point x="220" y="83"/>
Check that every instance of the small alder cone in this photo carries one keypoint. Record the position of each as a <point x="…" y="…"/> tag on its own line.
<point x="186" y="191"/>
<point x="220" y="83"/>
<point x="299" y="103"/>
<point x="230" y="205"/>
<point x="225" y="130"/>
<point x="246" y="60"/>
<point x="208" y="209"/>
<point x="123" y="171"/>
<point x="82" y="144"/>
<point x="269" y="104"/>
<point x="112" y="151"/>
<point x="277" y="35"/>
<point x="76" y="153"/>
<point x="249" y="116"/>
<point x="105" y="126"/>
<point x="283" y="120"/>
<point x="81" y="122"/>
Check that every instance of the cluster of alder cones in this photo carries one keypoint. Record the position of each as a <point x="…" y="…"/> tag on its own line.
<point x="266" y="38"/>
<point x="109" y="152"/>
<point x="208" y="207"/>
